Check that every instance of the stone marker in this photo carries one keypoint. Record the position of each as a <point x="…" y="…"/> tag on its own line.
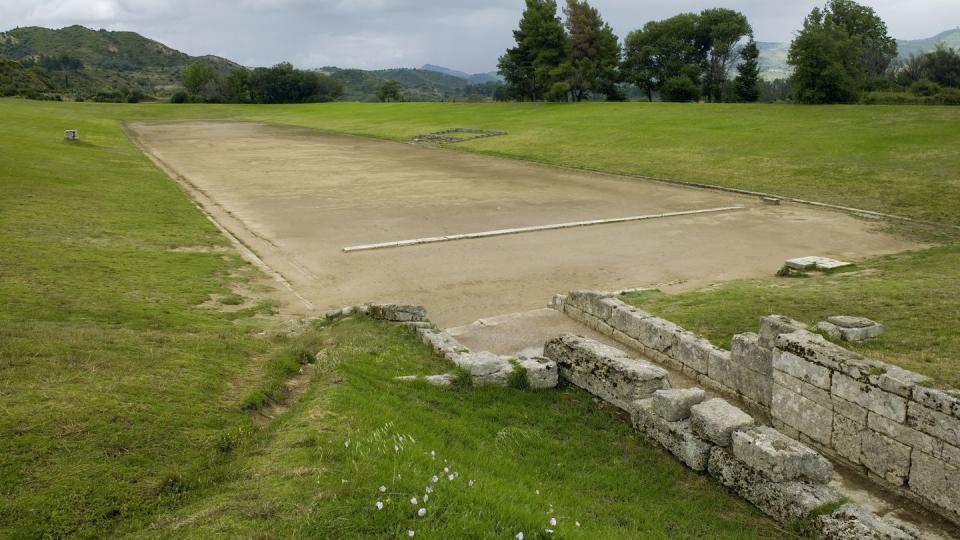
<point x="716" y="420"/>
<point x="816" y="263"/>
<point x="71" y="135"/>
<point x="850" y="328"/>
<point x="674" y="405"/>
<point x="398" y="313"/>
<point x="677" y="437"/>
<point x="779" y="457"/>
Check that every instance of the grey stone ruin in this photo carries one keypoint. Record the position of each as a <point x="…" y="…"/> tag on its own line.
<point x="71" y="135"/>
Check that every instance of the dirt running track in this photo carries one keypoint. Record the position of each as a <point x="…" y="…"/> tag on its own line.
<point x="297" y="197"/>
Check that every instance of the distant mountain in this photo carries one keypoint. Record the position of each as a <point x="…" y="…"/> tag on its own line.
<point x="476" y="78"/>
<point x="417" y="84"/>
<point x="109" y="59"/>
<point x="773" y="56"/>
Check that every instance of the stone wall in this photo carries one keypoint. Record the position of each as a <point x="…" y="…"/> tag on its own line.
<point x="884" y="421"/>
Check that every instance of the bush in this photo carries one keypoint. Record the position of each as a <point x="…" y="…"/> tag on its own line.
<point x="680" y="89"/>
<point x="925" y="88"/>
<point x="178" y="97"/>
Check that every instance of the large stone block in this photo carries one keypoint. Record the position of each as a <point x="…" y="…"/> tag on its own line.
<point x="627" y="319"/>
<point x="716" y="420"/>
<point x="677" y="437"/>
<point x="658" y="334"/>
<point x="898" y="381"/>
<point x="780" y="458"/>
<point x="869" y="397"/>
<point x="695" y="352"/>
<point x="486" y="368"/>
<point x="905" y="435"/>
<point x="936" y="481"/>
<point x="745" y="349"/>
<point x="604" y="371"/>
<point x="937" y="424"/>
<point x="591" y="303"/>
<point x="784" y="501"/>
<point x="773" y="326"/>
<point x="802" y="414"/>
<point x="944" y="401"/>
<point x="674" y="405"/>
<point x="799" y="368"/>
<point x="847" y="438"/>
<point x="815" y="348"/>
<point x="885" y="457"/>
<point x="541" y="373"/>
<point x="851" y="522"/>
<point x="398" y="312"/>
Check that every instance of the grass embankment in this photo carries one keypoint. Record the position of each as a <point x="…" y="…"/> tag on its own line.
<point x="913" y="294"/>
<point x="122" y="399"/>
<point x="520" y="459"/>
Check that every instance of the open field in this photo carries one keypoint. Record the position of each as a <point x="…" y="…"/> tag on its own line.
<point x="298" y="197"/>
<point x="125" y="362"/>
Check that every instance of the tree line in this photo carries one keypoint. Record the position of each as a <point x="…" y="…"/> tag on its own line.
<point x="842" y="51"/>
<point x="278" y="84"/>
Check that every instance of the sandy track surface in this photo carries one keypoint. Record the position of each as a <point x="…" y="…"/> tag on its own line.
<point x="298" y="196"/>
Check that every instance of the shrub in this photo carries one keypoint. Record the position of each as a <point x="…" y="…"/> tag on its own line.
<point x="680" y="89"/>
<point x="179" y="97"/>
<point x="925" y="88"/>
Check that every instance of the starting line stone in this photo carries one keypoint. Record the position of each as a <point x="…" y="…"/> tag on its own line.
<point x="816" y="263"/>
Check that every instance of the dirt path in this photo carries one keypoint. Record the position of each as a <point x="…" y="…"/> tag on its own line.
<point x="297" y="197"/>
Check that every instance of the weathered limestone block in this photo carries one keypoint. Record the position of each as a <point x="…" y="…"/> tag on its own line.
<point x="869" y="397"/>
<point x="627" y="319"/>
<point x="746" y="351"/>
<point x="677" y="437"/>
<point x="558" y="301"/>
<point x="847" y="437"/>
<point x="695" y="352"/>
<point x="674" y="405"/>
<point x="446" y="379"/>
<point x="802" y="414"/>
<point x="780" y="458"/>
<point x="856" y="328"/>
<point x="936" y="481"/>
<point x="738" y="378"/>
<point x="541" y="373"/>
<point x="716" y="420"/>
<point x="831" y="330"/>
<point x="850" y="522"/>
<point x="604" y="371"/>
<point x="799" y="368"/>
<point x="935" y="423"/>
<point x="590" y="302"/>
<point x="659" y="334"/>
<point x="485" y="368"/>
<point x="773" y="326"/>
<point x="944" y="401"/>
<point x="885" y="457"/>
<point x="899" y="381"/>
<point x="784" y="501"/>
<point x="905" y="435"/>
<point x="398" y="312"/>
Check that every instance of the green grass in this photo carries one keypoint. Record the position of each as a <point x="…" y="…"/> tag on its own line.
<point x="913" y="294"/>
<point x="316" y="472"/>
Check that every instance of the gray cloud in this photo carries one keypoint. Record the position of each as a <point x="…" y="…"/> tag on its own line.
<point x="461" y="34"/>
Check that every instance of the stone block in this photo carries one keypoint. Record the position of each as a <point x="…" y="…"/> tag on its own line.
<point x="862" y="334"/>
<point x="658" y="334"/>
<point x="934" y="423"/>
<point x="674" y="405"/>
<point x="398" y="312"/>
<point x="604" y="371"/>
<point x="746" y="351"/>
<point x="945" y="401"/>
<point x="445" y="379"/>
<point x="885" y="457"/>
<point x="695" y="352"/>
<point x="847" y="438"/>
<point x="869" y="397"/>
<point x="799" y="368"/>
<point x="831" y="330"/>
<point x="850" y="522"/>
<point x="589" y="302"/>
<point x="773" y="326"/>
<point x="905" y="435"/>
<point x="716" y="420"/>
<point x="784" y="501"/>
<point x="756" y="387"/>
<point x="936" y="481"/>
<point x="803" y="414"/>
<point x="815" y="348"/>
<point x="780" y="458"/>
<point x="851" y="411"/>
<point x="627" y="319"/>
<point x="486" y="368"/>
<point x="846" y="321"/>
<point x="541" y="373"/>
<point x="677" y="437"/>
<point x="899" y="381"/>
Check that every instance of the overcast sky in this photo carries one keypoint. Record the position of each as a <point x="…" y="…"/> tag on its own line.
<point x="462" y="34"/>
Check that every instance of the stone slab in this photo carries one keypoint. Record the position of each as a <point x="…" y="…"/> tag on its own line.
<point x="674" y="405"/>
<point x="780" y="458"/>
<point x="716" y="420"/>
<point x="677" y="437"/>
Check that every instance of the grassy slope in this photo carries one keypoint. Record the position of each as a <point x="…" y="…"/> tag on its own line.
<point x="316" y="472"/>
<point x="914" y="294"/>
<point x="120" y="400"/>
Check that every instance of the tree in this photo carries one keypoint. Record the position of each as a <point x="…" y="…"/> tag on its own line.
<point x="878" y="49"/>
<point x="536" y="64"/>
<point x="594" y="52"/>
<point x="200" y="79"/>
<point x="719" y="32"/>
<point x="826" y="61"/>
<point x="747" y="83"/>
<point x="662" y="50"/>
<point x="390" y="91"/>
<point x="681" y="89"/>
<point x="942" y="66"/>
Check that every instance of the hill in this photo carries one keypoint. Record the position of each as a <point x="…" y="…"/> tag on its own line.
<point x="773" y="56"/>
<point x="102" y="61"/>
<point x="17" y="80"/>
<point x="476" y="78"/>
<point x="417" y="84"/>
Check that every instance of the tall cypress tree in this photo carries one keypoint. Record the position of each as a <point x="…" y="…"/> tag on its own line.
<point x="535" y="65"/>
<point x="747" y="83"/>
<point x="594" y="52"/>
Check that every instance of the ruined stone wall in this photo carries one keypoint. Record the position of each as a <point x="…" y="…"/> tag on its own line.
<point x="883" y="420"/>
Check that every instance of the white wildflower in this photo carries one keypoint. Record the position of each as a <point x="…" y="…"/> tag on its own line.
<point x="396" y="448"/>
<point x="413" y="500"/>
<point x="422" y="512"/>
<point x="538" y="492"/>
<point x="383" y="489"/>
<point x="548" y="531"/>
<point x="446" y="469"/>
<point x="433" y="455"/>
<point x="346" y="444"/>
<point x="470" y="483"/>
<point x="426" y="498"/>
<point x="577" y="523"/>
<point x="429" y="489"/>
<point x="553" y="522"/>
<point x="450" y="477"/>
<point x="379" y="505"/>
<point x="520" y="535"/>
<point x="435" y="479"/>
<point x="411" y="534"/>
